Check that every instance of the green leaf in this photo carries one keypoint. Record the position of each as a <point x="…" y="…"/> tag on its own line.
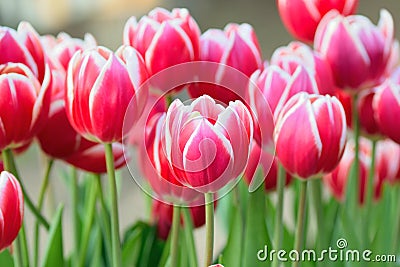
<point x="256" y="234"/>
<point x="151" y="247"/>
<point x="95" y="248"/>
<point x="232" y="252"/>
<point x="131" y="245"/>
<point x="6" y="259"/>
<point x="54" y="255"/>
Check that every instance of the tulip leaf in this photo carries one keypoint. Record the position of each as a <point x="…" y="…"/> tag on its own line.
<point x="232" y="252"/>
<point x="54" y="255"/>
<point x="96" y="248"/>
<point x="131" y="245"/>
<point x="6" y="259"/>
<point x="256" y="234"/>
<point x="151" y="248"/>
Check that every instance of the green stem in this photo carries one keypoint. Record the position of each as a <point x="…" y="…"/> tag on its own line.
<point x="24" y="246"/>
<point x="9" y="165"/>
<point x="115" y="241"/>
<point x="356" y="129"/>
<point x="396" y="239"/>
<point x="106" y="218"/>
<point x="168" y="99"/>
<point x="43" y="190"/>
<point x="369" y="196"/>
<point x="316" y="195"/>
<point x="176" y="221"/>
<point x="188" y="227"/>
<point x="17" y="252"/>
<point x="299" y="237"/>
<point x="75" y="212"/>
<point x="209" y="199"/>
<point x="278" y="228"/>
<point x="89" y="221"/>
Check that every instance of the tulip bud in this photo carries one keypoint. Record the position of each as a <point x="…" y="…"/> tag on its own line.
<point x="206" y="144"/>
<point x="25" y="105"/>
<point x="357" y="51"/>
<point x="310" y="134"/>
<point x="101" y="86"/>
<point x="260" y="160"/>
<point x="11" y="209"/>
<point x="301" y="18"/>
<point x="387" y="164"/>
<point x="237" y="47"/>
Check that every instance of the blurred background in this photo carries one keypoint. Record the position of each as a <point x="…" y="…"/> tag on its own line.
<point x="105" y="19"/>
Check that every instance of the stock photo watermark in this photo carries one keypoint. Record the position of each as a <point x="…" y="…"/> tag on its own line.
<point x="340" y="253"/>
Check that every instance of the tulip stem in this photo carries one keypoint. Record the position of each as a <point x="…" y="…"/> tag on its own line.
<point x="278" y="228"/>
<point x="17" y="253"/>
<point x="115" y="241"/>
<point x="209" y="205"/>
<point x="188" y="227"/>
<point x="89" y="220"/>
<point x="316" y="195"/>
<point x="176" y="221"/>
<point x="356" y="129"/>
<point x="43" y="190"/>
<point x="75" y="213"/>
<point x="9" y="165"/>
<point x="369" y="195"/>
<point x="301" y="216"/>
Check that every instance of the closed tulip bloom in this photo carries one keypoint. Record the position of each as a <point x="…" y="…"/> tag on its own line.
<point x="310" y="135"/>
<point x="11" y="209"/>
<point x="91" y="157"/>
<point x="357" y="51"/>
<point x="260" y="160"/>
<point x="23" y="46"/>
<point x="237" y="47"/>
<point x="206" y="144"/>
<point x="25" y="105"/>
<point x="301" y="18"/>
<point x="296" y="53"/>
<point x="101" y="87"/>
<point x="164" y="38"/>
<point x="338" y="179"/>
<point x="387" y="161"/>
<point x="387" y="107"/>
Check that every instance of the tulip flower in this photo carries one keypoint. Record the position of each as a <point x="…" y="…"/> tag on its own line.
<point x="164" y="38"/>
<point x="25" y="105"/>
<point x="262" y="159"/>
<point x="387" y="161"/>
<point x="301" y="18"/>
<point x="310" y="134"/>
<point x="337" y="180"/>
<point x="357" y="51"/>
<point x="23" y="46"/>
<point x="237" y="47"/>
<point x="387" y="109"/>
<point x="206" y="144"/>
<point x="100" y="87"/>
<point x="162" y="214"/>
<point x="11" y="209"/>
<point x="296" y="53"/>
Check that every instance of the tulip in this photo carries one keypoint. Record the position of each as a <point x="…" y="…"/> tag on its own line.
<point x="387" y="161"/>
<point x="387" y="109"/>
<point x="23" y="46"/>
<point x="100" y="87"/>
<point x="301" y="18"/>
<point x="164" y="38"/>
<point x="310" y="134"/>
<point x="357" y="51"/>
<point x="11" y="209"/>
<point x="261" y="159"/>
<point x="296" y="53"/>
<point x="155" y="168"/>
<point x="25" y="105"/>
<point x="93" y="158"/>
<point x="206" y="144"/>
<point x="237" y="47"/>
<point x="337" y="180"/>
<point x="162" y="214"/>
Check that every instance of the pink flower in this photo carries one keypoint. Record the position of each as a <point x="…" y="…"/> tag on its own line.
<point x="310" y="134"/>
<point x="11" y="209"/>
<point x="387" y="161"/>
<point x="23" y="46"/>
<point x="236" y="47"/>
<point x="206" y="144"/>
<point x="101" y="87"/>
<point x="164" y="38"/>
<point x="357" y="51"/>
<point x="301" y="18"/>
<point x="25" y="105"/>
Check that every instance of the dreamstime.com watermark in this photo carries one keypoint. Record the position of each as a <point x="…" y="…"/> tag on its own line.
<point x="338" y="254"/>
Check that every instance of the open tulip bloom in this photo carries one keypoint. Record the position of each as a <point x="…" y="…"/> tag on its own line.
<point x="314" y="131"/>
